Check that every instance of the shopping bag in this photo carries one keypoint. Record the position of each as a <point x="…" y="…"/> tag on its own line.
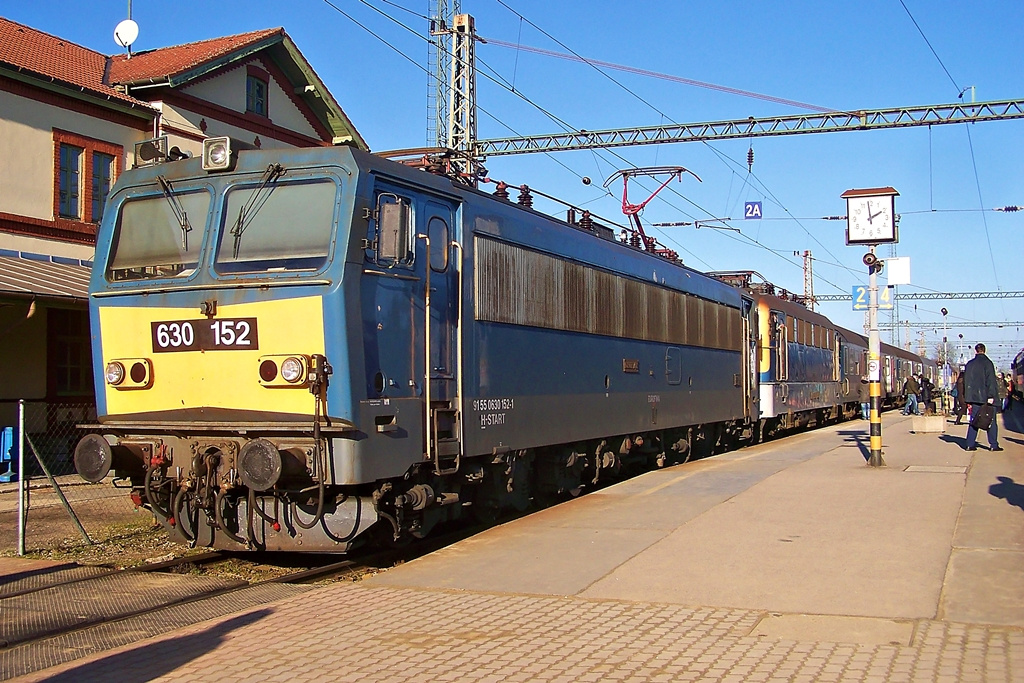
<point x="983" y="416"/>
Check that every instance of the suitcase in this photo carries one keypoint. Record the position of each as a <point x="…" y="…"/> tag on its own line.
<point x="983" y="416"/>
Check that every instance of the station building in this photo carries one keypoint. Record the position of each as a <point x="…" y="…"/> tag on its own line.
<point x="71" y="120"/>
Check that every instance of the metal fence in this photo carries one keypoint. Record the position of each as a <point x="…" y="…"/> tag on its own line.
<point x="43" y="503"/>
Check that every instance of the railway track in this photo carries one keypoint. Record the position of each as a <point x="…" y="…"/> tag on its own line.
<point x="57" y="615"/>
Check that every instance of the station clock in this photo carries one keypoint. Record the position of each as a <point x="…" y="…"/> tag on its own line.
<point x="871" y="216"/>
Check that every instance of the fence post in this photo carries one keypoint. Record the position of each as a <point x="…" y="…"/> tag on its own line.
<point x="60" y="494"/>
<point x="21" y="477"/>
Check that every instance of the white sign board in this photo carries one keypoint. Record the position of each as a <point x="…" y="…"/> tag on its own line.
<point x="898" y="270"/>
<point x="874" y="371"/>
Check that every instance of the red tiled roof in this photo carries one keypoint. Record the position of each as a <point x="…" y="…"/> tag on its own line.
<point x="167" y="62"/>
<point x="47" y="57"/>
<point x="41" y="54"/>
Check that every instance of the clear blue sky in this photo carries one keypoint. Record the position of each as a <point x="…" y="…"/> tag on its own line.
<point x="837" y="55"/>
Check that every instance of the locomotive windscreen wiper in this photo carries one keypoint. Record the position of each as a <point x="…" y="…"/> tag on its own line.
<point x="177" y="209"/>
<point x="259" y="197"/>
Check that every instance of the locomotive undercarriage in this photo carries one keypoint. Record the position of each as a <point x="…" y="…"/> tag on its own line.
<point x="268" y="493"/>
<point x="487" y="486"/>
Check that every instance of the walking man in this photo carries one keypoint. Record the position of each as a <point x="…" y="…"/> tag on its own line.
<point x="911" y="388"/>
<point x="980" y="383"/>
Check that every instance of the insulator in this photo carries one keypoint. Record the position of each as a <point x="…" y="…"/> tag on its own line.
<point x="501" y="190"/>
<point x="634" y="240"/>
<point x="1011" y="209"/>
<point x="525" y="198"/>
<point x="750" y="159"/>
<point x="586" y="222"/>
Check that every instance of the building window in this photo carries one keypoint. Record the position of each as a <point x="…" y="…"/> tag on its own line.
<point x="102" y="178"/>
<point x="70" y="357"/>
<point x="70" y="180"/>
<point x="255" y="95"/>
<point x="84" y="172"/>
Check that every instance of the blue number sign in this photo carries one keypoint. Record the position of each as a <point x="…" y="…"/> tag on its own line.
<point x="862" y="298"/>
<point x="752" y="210"/>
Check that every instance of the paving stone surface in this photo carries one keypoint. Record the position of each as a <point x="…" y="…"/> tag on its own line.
<point x="571" y="595"/>
<point x="355" y="633"/>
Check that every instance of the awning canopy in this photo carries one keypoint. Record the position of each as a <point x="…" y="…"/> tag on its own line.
<point x="24" y="275"/>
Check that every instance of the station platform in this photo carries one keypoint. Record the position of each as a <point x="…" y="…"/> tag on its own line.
<point x="788" y="561"/>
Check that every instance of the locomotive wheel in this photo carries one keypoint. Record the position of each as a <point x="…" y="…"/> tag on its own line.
<point x="486" y="513"/>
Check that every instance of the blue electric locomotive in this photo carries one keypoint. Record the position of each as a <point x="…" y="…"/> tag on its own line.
<point x="296" y="347"/>
<point x="305" y="349"/>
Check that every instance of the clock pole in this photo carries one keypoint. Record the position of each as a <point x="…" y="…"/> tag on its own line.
<point x="870" y="221"/>
<point x="874" y="360"/>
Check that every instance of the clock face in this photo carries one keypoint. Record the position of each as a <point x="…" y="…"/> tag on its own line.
<point x="870" y="220"/>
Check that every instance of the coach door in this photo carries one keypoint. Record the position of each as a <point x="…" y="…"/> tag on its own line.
<point x="441" y="255"/>
<point x="749" y="352"/>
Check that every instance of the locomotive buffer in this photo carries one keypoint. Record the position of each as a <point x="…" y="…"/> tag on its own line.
<point x="870" y="221"/>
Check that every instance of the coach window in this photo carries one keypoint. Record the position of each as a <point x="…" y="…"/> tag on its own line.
<point x="437" y="229"/>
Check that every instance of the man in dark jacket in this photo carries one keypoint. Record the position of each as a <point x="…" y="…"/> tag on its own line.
<point x="980" y="389"/>
<point x="959" y="401"/>
<point x="911" y="389"/>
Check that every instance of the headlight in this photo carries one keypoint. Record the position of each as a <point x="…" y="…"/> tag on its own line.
<point x="129" y="373"/>
<point x="284" y="371"/>
<point x="292" y="370"/>
<point x="114" y="373"/>
<point x="219" y="154"/>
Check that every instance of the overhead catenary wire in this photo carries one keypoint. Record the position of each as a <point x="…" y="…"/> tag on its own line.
<point x="656" y="109"/>
<point x="656" y="74"/>
<point x="512" y="88"/>
<point x="929" y="43"/>
<point x="506" y="85"/>
<point x="970" y="142"/>
<point x="498" y="80"/>
<point x="417" y="64"/>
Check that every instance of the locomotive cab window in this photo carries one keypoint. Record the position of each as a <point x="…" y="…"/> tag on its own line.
<point x="282" y="226"/>
<point x="393" y="233"/>
<point x="158" y="236"/>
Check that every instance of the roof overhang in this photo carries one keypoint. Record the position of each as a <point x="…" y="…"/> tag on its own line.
<point x="320" y="99"/>
<point x="138" y="109"/>
<point x="33" y="276"/>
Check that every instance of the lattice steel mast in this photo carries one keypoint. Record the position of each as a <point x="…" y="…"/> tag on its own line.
<point x="439" y="67"/>
<point x="462" y="103"/>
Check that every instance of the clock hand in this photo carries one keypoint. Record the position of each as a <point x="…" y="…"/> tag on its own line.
<point x="870" y="216"/>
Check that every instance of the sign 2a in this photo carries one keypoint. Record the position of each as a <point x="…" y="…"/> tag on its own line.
<point x="752" y="210"/>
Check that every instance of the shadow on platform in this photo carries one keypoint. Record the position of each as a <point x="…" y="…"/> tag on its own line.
<point x="960" y="441"/>
<point x="861" y="439"/>
<point x="1009" y="490"/>
<point x="157" y="659"/>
